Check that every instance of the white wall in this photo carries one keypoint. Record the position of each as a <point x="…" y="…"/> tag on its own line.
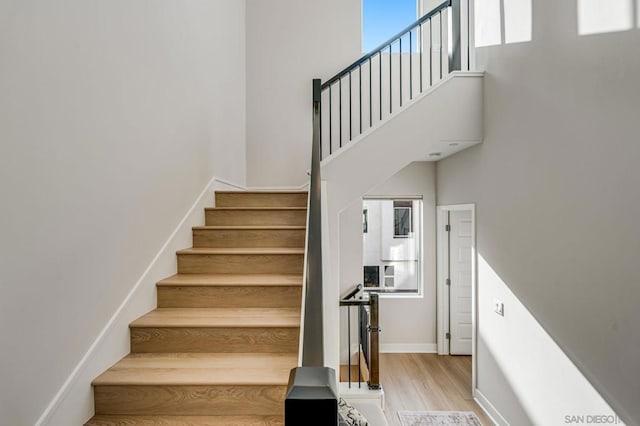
<point x="290" y="42"/>
<point x="411" y="321"/>
<point x="372" y="239"/>
<point x="406" y="321"/>
<point x="558" y="202"/>
<point x="114" y="115"/>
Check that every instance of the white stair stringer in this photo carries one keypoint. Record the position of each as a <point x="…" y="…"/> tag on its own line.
<point x="445" y="119"/>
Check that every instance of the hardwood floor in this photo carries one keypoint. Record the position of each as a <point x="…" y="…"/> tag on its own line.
<point x="427" y="382"/>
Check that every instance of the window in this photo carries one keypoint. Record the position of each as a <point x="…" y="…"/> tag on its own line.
<point x="371" y="276"/>
<point x="365" y="221"/>
<point x="389" y="276"/>
<point x="382" y="19"/>
<point x="392" y="245"/>
<point x="402" y="218"/>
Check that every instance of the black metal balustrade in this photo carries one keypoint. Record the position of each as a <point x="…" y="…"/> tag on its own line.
<point x="382" y="81"/>
<point x="368" y="331"/>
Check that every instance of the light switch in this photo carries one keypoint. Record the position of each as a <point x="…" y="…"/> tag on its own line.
<point x="498" y="307"/>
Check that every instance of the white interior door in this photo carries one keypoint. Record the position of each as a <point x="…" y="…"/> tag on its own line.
<point x="460" y="274"/>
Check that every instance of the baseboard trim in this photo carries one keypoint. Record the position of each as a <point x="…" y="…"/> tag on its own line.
<point x="218" y="183"/>
<point x="235" y="186"/>
<point x="303" y="187"/>
<point x="488" y="408"/>
<point x="65" y="389"/>
<point x="361" y="393"/>
<point x="411" y="348"/>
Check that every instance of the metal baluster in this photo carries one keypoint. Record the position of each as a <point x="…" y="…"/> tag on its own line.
<point x="370" y="96"/>
<point x="380" y="81"/>
<point x="349" y="343"/>
<point x="430" y="52"/>
<point x="359" y="345"/>
<point x="340" y="108"/>
<point x="400" y="73"/>
<point x="469" y="35"/>
<point x="440" y="45"/>
<point x="360" y="89"/>
<point x="410" y="66"/>
<point x="350" y="112"/>
<point x="390" y="83"/>
<point x="330" y="121"/>
<point x="320" y="122"/>
<point x="421" y="49"/>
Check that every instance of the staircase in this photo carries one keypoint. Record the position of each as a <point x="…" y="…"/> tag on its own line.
<point x="220" y="345"/>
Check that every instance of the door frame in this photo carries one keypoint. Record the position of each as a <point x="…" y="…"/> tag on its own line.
<point x="442" y="294"/>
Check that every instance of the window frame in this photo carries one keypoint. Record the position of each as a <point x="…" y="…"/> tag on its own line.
<point x="409" y="233"/>
<point x="392" y="292"/>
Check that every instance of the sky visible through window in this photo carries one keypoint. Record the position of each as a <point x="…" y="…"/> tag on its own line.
<point x="382" y="19"/>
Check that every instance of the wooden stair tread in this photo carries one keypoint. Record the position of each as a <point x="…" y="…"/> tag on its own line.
<point x="261" y="198"/>
<point x="208" y="360"/>
<point x="283" y="191"/>
<point x="250" y="227"/>
<point x="130" y="420"/>
<point x="193" y="377"/>
<point x="257" y="209"/>
<point x="219" y="317"/>
<point x="241" y="250"/>
<point x="232" y="279"/>
<point x="220" y="347"/>
<point x="199" y="369"/>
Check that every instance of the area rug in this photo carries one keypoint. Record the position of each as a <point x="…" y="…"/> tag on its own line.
<point x="438" y="418"/>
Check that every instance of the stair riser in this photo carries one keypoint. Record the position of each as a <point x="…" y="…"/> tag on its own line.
<point x="261" y="199"/>
<point x="229" y="297"/>
<point x="214" y="340"/>
<point x="216" y="238"/>
<point x="190" y="400"/>
<point x="252" y="217"/>
<point x="240" y="263"/>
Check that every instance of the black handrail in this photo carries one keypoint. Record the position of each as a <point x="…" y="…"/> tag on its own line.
<point x="312" y="345"/>
<point x="312" y="386"/>
<point x="353" y="292"/>
<point x="390" y="41"/>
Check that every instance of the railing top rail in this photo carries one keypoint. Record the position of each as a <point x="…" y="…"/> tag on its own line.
<point x="355" y="302"/>
<point x="356" y="289"/>
<point x="312" y="345"/>
<point x="388" y="42"/>
<point x="350" y="300"/>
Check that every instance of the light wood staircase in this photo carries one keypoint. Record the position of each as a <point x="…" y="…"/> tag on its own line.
<point x="220" y="345"/>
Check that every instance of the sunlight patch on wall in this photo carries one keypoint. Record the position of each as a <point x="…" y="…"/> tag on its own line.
<point x="518" y="21"/>
<point x="604" y="16"/>
<point x="516" y="340"/>
<point x="492" y="17"/>
<point x="487" y="23"/>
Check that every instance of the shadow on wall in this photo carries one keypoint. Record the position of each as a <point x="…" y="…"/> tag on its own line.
<point x="513" y="350"/>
